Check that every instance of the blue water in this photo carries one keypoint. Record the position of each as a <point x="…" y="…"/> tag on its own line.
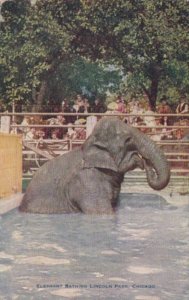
<point x="140" y="253"/>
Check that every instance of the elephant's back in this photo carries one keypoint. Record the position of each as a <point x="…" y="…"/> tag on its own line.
<point x="47" y="185"/>
<point x="59" y="167"/>
<point x="65" y="163"/>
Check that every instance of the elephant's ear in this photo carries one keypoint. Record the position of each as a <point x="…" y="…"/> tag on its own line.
<point x="97" y="156"/>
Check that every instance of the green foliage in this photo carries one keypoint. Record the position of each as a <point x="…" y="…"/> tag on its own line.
<point x="80" y="76"/>
<point x="144" y="37"/>
<point x="178" y="74"/>
<point x="175" y="82"/>
<point x="41" y="50"/>
<point x="66" y="46"/>
<point x="27" y="56"/>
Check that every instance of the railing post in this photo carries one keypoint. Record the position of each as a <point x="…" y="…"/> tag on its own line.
<point x="13" y="111"/>
<point x="70" y="145"/>
<point x="5" y="124"/>
<point x="91" y="122"/>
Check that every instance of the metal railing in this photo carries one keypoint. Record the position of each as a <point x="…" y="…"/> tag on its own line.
<point x="177" y="151"/>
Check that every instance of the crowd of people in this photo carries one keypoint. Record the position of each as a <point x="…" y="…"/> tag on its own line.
<point x="139" y="113"/>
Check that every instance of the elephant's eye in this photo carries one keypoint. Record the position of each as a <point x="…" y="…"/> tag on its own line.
<point x="128" y="140"/>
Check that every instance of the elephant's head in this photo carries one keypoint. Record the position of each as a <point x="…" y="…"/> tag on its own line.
<point x="113" y="145"/>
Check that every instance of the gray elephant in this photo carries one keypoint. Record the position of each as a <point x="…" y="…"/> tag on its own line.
<point x="89" y="179"/>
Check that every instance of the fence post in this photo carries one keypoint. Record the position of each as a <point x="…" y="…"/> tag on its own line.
<point x="5" y="124"/>
<point x="11" y="164"/>
<point x="91" y="122"/>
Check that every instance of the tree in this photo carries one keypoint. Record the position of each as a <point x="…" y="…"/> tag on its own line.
<point x="81" y="76"/>
<point x="32" y="46"/>
<point x="143" y="37"/>
<point x="146" y="39"/>
<point x="37" y="60"/>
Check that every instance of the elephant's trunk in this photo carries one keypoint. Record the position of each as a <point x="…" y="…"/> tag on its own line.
<point x="155" y="163"/>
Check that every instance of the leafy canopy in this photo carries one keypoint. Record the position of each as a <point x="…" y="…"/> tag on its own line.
<point x="62" y="47"/>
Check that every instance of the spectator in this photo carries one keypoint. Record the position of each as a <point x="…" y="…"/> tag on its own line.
<point x="55" y="135"/>
<point x="76" y="103"/>
<point x="40" y="134"/>
<point x="149" y="119"/>
<point x="121" y="107"/>
<point x="179" y="134"/>
<point x="71" y="133"/>
<point x="182" y="108"/>
<point x="136" y="109"/>
<point x="80" y="121"/>
<point x="14" y="130"/>
<point x="139" y="111"/>
<point x="159" y="132"/>
<point x="64" y="105"/>
<point x="164" y="108"/>
<point x="59" y="120"/>
<point x="112" y="108"/>
<point x="131" y="105"/>
<point x="144" y="128"/>
<point x="31" y="134"/>
<point x="26" y="121"/>
<point x="87" y="108"/>
<point x="99" y="106"/>
<point x="66" y="108"/>
<point x="79" y="133"/>
<point x="78" y="107"/>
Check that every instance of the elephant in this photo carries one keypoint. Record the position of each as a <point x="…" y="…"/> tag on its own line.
<point x="88" y="179"/>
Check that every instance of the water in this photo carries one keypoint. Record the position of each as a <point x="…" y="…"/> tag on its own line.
<point x="140" y="253"/>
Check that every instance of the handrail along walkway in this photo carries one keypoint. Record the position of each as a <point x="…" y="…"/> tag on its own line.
<point x="176" y="150"/>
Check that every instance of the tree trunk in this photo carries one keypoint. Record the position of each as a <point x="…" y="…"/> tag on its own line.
<point x="153" y="92"/>
<point x="155" y="74"/>
<point x="37" y="107"/>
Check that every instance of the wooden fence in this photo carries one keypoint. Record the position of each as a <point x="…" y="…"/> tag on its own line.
<point x="10" y="164"/>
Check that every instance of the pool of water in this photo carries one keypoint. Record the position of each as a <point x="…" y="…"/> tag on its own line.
<point x="140" y="253"/>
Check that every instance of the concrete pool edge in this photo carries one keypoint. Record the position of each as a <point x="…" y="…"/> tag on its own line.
<point x="172" y="197"/>
<point x="9" y="203"/>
